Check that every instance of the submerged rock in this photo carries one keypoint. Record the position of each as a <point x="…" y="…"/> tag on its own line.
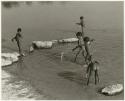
<point x="112" y="89"/>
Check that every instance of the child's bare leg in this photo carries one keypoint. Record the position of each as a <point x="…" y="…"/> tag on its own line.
<point x="83" y="53"/>
<point x="20" y="52"/>
<point x="95" y="76"/>
<point x="77" y="54"/>
<point x="98" y="76"/>
<point x="89" y="77"/>
<point x="86" y="58"/>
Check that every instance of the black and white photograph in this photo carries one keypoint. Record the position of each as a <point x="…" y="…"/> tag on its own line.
<point x="62" y="50"/>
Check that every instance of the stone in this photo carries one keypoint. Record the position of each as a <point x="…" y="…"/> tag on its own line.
<point x="42" y="44"/>
<point x="112" y="89"/>
<point x="68" y="40"/>
<point x="9" y="58"/>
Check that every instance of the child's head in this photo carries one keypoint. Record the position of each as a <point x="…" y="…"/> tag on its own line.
<point x="19" y="30"/>
<point x="81" y="17"/>
<point x="78" y="34"/>
<point x="86" y="39"/>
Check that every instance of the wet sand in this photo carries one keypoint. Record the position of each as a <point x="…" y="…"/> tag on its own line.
<point x="66" y="80"/>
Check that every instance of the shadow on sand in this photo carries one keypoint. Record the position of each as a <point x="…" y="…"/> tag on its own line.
<point x="72" y="76"/>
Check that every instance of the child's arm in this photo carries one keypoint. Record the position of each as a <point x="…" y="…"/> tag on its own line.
<point x="75" y="48"/>
<point x="12" y="39"/>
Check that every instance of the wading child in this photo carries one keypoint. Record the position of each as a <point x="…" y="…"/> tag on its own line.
<point x="18" y="38"/>
<point x="93" y="66"/>
<point x="80" y="45"/>
<point x="87" y="43"/>
<point x="83" y="46"/>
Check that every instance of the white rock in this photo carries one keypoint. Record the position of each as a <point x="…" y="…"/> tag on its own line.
<point x="42" y="44"/>
<point x="112" y="89"/>
<point x="5" y="62"/>
<point x="54" y="41"/>
<point x="68" y="40"/>
<point x="9" y="58"/>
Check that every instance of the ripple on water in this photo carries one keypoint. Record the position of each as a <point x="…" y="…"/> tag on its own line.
<point x="17" y="90"/>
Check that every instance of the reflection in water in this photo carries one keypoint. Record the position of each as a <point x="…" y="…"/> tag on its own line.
<point x="10" y="4"/>
<point x="20" y="65"/>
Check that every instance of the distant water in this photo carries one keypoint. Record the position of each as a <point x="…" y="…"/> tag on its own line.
<point x="56" y="20"/>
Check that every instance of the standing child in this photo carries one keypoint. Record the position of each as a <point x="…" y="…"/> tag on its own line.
<point x="87" y="42"/>
<point x="82" y="24"/>
<point x="93" y="66"/>
<point x="18" y="38"/>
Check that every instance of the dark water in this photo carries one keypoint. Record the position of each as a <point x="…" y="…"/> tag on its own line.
<point x="56" y="20"/>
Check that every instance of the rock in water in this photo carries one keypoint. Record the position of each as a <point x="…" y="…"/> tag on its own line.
<point x="69" y="40"/>
<point x="42" y="44"/>
<point x="9" y="58"/>
<point x="5" y="62"/>
<point x="112" y="89"/>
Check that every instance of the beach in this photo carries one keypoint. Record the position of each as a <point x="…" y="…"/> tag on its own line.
<point x="45" y="76"/>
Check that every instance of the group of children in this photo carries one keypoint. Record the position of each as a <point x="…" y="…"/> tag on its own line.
<point x="83" y="46"/>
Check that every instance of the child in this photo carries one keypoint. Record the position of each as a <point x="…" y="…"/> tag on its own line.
<point x="83" y="45"/>
<point x="17" y="38"/>
<point x="86" y="43"/>
<point x="80" y="44"/>
<point x="82" y="24"/>
<point x="92" y="66"/>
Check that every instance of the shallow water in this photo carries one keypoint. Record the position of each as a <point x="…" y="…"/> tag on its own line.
<point x="13" y="88"/>
<point x="56" y="20"/>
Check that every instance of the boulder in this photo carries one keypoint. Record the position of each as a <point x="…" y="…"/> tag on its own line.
<point x="42" y="44"/>
<point x="5" y="62"/>
<point x="9" y="58"/>
<point x="68" y="40"/>
<point x="112" y="89"/>
<point x="54" y="41"/>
